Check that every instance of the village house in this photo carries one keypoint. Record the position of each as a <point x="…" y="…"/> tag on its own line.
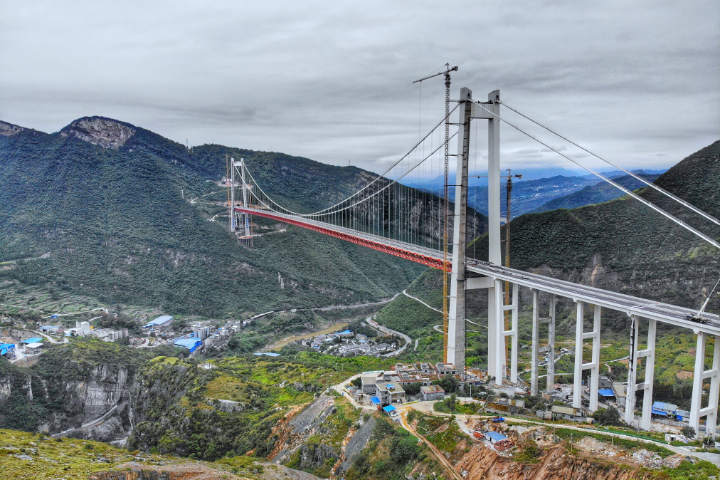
<point x="389" y="393"/>
<point x="445" y="369"/>
<point x="432" y="392"/>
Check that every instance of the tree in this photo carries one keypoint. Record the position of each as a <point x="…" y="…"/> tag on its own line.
<point x="451" y="402"/>
<point x="357" y="381"/>
<point x="449" y="383"/>
<point x="607" y="416"/>
<point x="412" y="388"/>
<point x="688" y="431"/>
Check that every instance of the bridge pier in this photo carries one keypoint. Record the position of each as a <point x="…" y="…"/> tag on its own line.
<point x="550" y="378"/>
<point x="498" y="338"/>
<point x="497" y="363"/>
<point x="647" y="385"/>
<point x="632" y="365"/>
<point x="700" y="374"/>
<point x="534" y="361"/>
<point x="512" y="333"/>
<point x="594" y="365"/>
<point x="534" y="353"/>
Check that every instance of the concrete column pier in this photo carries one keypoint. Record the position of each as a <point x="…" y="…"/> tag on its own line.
<point x="499" y="338"/>
<point x="595" y="362"/>
<point x="535" y="345"/>
<point x="512" y="333"/>
<point x="577" y="376"/>
<point x="632" y="366"/>
<point x="649" y="354"/>
<point x="696" y="409"/>
<point x="550" y="380"/>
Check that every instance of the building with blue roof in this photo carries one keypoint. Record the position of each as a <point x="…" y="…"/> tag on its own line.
<point x="191" y="344"/>
<point x="6" y="348"/>
<point x="32" y="340"/>
<point x="390" y="409"/>
<point x="269" y="354"/>
<point x="375" y="400"/>
<point x="606" y="392"/>
<point x="160" y="322"/>
<point x="664" y="409"/>
<point x="494" y="437"/>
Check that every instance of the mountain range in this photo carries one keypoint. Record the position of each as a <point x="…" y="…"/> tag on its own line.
<point x="110" y="210"/>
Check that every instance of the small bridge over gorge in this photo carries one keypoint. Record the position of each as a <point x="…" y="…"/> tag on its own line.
<point x="433" y="225"/>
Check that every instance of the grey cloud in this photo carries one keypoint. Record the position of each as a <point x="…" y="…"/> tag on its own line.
<point x="332" y="80"/>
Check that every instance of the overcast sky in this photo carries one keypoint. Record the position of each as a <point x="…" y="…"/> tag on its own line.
<point x="638" y="82"/>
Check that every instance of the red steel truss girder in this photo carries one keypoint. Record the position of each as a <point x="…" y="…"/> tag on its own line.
<point x="390" y="249"/>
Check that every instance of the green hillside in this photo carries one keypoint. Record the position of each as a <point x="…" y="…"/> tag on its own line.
<point x="116" y="212"/>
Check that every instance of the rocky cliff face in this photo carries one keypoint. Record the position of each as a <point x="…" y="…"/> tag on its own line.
<point x="104" y="132"/>
<point x="8" y="129"/>
<point x="74" y="390"/>
<point x="94" y="408"/>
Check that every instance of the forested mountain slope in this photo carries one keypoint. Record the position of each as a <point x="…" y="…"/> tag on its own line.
<point x="102" y="208"/>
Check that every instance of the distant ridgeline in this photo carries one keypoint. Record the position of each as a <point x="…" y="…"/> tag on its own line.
<point x="107" y="206"/>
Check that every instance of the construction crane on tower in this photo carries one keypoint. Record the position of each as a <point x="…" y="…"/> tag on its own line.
<point x="446" y="314"/>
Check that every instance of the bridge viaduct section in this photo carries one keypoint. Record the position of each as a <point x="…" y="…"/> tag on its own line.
<point x="498" y="336"/>
<point x="491" y="275"/>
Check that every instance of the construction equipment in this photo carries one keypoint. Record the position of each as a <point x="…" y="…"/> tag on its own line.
<point x="446" y="269"/>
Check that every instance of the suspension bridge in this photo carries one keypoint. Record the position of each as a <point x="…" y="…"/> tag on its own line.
<point x="425" y="226"/>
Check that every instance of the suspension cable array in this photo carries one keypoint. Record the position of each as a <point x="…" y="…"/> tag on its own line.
<point x="684" y="225"/>
<point x="403" y="204"/>
<point x="636" y="177"/>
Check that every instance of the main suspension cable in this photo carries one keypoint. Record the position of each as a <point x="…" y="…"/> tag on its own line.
<point x="349" y="206"/>
<point x="708" y="239"/>
<point x="381" y="176"/>
<point x="637" y="177"/>
<point x="329" y="210"/>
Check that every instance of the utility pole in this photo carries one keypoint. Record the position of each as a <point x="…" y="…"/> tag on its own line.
<point x="509" y="177"/>
<point x="446" y="234"/>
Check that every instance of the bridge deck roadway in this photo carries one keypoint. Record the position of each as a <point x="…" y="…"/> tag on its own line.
<point x="641" y="307"/>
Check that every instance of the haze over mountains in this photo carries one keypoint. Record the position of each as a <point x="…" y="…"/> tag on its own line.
<point x="548" y="193"/>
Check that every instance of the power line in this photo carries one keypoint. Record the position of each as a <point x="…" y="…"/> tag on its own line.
<point x="708" y="239"/>
<point x="637" y="177"/>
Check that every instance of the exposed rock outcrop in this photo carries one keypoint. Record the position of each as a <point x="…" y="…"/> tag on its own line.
<point x="136" y="471"/>
<point x="555" y="464"/>
<point x="94" y="408"/>
<point x="105" y="132"/>
<point x="298" y="427"/>
<point x="8" y="129"/>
